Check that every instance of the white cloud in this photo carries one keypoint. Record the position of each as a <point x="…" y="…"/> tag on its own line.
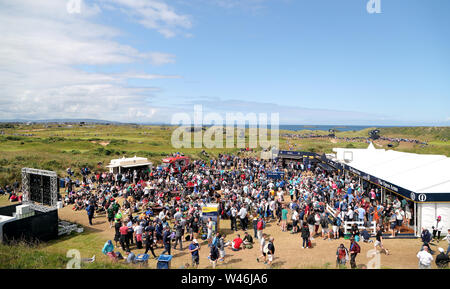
<point x="152" y="14"/>
<point x="42" y="47"/>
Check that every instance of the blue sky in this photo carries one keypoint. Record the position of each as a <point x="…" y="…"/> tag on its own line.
<point x="313" y="61"/>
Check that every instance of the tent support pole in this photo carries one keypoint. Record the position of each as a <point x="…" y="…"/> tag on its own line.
<point x="415" y="219"/>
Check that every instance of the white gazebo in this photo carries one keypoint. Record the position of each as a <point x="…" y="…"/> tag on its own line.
<point x="116" y="165"/>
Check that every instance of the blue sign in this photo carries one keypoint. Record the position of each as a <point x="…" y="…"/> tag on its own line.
<point x="275" y="175"/>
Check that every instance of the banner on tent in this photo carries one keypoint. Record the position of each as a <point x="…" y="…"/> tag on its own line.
<point x="415" y="197"/>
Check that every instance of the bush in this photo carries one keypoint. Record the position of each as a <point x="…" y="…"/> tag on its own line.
<point x="118" y="141"/>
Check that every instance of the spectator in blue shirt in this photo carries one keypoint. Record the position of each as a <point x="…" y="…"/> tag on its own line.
<point x="194" y="248"/>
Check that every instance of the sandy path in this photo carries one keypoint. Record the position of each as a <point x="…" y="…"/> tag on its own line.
<point x="289" y="253"/>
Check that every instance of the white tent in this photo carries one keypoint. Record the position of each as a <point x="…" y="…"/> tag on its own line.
<point x="118" y="164"/>
<point x="424" y="179"/>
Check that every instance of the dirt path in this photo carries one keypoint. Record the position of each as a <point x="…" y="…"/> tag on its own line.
<point x="289" y="253"/>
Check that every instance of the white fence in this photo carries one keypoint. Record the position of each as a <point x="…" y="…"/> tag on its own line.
<point x="348" y="226"/>
<point x="331" y="211"/>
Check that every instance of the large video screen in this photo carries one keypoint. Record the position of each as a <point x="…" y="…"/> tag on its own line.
<point x="40" y="189"/>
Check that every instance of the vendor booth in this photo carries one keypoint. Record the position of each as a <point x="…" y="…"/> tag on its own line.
<point x="119" y="165"/>
<point x="211" y="211"/>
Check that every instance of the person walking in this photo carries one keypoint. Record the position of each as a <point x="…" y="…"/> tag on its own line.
<point x="123" y="237"/>
<point x="262" y="246"/>
<point x="270" y="251"/>
<point x="178" y="235"/>
<point x="425" y="258"/>
<point x="341" y="256"/>
<point x="149" y="243"/>
<point x="295" y="218"/>
<point x="355" y="249"/>
<point x="221" y="247"/>
<point x="379" y="241"/>
<point x="213" y="255"/>
<point x="90" y="212"/>
<point x="194" y="249"/>
<point x="260" y="228"/>
<point x="284" y="214"/>
<point x="167" y="241"/>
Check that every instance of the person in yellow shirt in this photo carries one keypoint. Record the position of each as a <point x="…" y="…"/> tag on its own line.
<point x="272" y="193"/>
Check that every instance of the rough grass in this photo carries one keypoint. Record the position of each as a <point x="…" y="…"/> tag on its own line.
<point x="22" y="256"/>
<point x="54" y="147"/>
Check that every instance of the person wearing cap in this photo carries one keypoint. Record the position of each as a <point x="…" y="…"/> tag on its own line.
<point x="194" y="248"/>
<point x="437" y="228"/>
<point x="425" y="258"/>
<point x="442" y="259"/>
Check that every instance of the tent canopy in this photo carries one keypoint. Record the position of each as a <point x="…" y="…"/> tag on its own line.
<point x="417" y="173"/>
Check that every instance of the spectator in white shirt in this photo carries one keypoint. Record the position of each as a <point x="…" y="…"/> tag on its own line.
<point x="425" y="259"/>
<point x="243" y="216"/>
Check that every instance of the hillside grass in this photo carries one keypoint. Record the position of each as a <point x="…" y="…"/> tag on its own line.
<point x="57" y="147"/>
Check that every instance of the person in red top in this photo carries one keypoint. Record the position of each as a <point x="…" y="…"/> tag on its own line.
<point x="123" y="237"/>
<point x="236" y="246"/>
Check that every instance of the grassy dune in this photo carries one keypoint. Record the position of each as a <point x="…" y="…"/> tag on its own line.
<point x="56" y="147"/>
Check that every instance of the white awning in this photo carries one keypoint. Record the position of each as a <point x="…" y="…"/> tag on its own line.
<point x="415" y="172"/>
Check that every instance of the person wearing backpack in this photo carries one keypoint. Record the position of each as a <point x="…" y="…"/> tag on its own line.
<point x="355" y="249"/>
<point x="311" y="221"/>
<point x="213" y="256"/>
<point x="336" y="225"/>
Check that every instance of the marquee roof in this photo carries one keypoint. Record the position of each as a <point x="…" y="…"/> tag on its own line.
<point x="414" y="172"/>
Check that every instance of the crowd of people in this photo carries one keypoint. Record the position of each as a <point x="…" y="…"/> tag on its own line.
<point x="13" y="192"/>
<point x="161" y="208"/>
<point x="310" y="202"/>
<point x="352" y="139"/>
